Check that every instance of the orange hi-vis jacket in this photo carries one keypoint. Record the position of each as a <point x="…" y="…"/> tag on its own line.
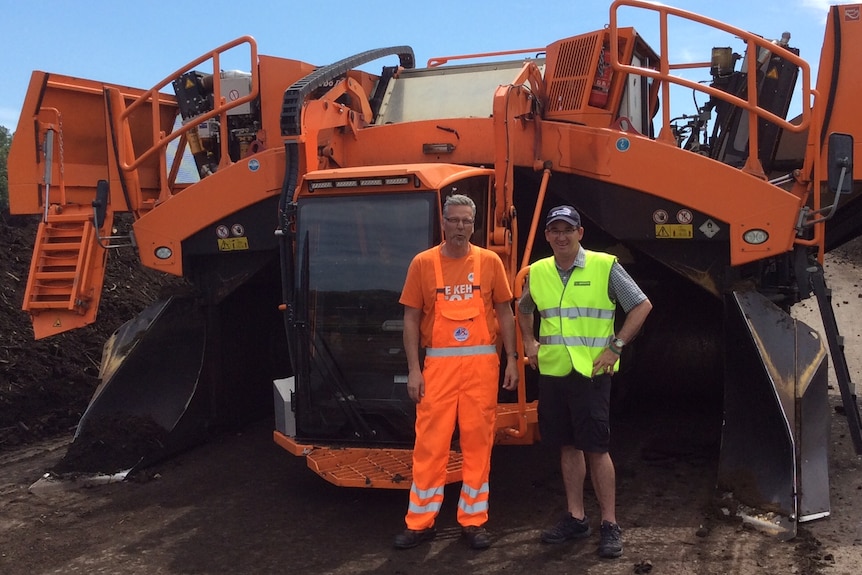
<point x="461" y="372"/>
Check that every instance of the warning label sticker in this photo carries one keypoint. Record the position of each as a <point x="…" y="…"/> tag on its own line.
<point x="709" y="228"/>
<point x="232" y="244"/>
<point x="674" y="231"/>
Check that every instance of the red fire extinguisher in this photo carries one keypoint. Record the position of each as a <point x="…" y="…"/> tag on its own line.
<point x="602" y="82"/>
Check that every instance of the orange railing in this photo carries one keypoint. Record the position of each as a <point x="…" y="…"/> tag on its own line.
<point x="441" y="60"/>
<point x="160" y="139"/>
<point x="753" y="44"/>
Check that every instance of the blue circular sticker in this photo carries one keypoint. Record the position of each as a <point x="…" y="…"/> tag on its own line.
<point x="623" y="144"/>
<point x="461" y="334"/>
<point x="253" y="165"/>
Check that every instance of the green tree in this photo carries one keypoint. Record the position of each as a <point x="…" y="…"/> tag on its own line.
<point x="5" y="142"/>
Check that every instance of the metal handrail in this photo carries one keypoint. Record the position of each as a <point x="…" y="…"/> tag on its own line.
<point x="441" y="60"/>
<point x="753" y="43"/>
<point x="161" y="140"/>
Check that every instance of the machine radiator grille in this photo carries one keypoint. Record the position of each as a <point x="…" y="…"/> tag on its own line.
<point x="574" y="70"/>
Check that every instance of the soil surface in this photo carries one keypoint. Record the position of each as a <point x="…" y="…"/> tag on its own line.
<point x="240" y="504"/>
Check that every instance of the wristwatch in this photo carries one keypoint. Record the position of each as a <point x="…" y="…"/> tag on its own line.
<point x="618" y="343"/>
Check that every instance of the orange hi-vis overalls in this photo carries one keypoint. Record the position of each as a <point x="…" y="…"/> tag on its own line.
<point x="461" y="372"/>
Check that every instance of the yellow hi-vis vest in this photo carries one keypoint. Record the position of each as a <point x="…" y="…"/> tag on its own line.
<point x="577" y="319"/>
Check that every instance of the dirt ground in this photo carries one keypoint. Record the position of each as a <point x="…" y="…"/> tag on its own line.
<point x="239" y="504"/>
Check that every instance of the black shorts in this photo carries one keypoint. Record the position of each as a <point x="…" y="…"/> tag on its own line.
<point x="575" y="410"/>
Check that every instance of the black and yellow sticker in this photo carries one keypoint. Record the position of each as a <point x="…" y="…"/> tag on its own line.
<point x="232" y="244"/>
<point x="674" y="231"/>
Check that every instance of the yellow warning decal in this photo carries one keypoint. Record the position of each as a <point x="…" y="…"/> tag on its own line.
<point x="232" y="244"/>
<point x="674" y="231"/>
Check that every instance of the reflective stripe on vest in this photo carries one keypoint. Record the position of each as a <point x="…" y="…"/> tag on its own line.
<point x="455" y="351"/>
<point x="577" y="319"/>
<point x="573" y="312"/>
<point x="573" y="340"/>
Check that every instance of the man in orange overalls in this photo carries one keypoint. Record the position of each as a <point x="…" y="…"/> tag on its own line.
<point x="456" y="300"/>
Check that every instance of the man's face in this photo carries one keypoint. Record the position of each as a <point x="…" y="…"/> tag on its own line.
<point x="564" y="238"/>
<point x="458" y="225"/>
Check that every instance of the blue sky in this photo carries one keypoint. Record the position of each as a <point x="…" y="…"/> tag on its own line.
<point x="138" y="44"/>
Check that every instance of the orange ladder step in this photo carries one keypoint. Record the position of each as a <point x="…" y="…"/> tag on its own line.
<point x="66" y="272"/>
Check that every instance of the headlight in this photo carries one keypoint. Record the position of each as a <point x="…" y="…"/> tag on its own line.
<point x="755" y="237"/>
<point x="163" y="252"/>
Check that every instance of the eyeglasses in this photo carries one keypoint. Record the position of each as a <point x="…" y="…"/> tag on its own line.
<point x="563" y="232"/>
<point x="465" y="222"/>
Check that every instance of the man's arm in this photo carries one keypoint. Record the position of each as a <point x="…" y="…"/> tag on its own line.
<point x="415" y="379"/>
<point x="526" y="307"/>
<point x="507" y="333"/>
<point x="634" y="321"/>
<point x="635" y="318"/>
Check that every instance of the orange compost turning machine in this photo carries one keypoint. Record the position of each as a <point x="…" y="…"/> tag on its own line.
<point x="293" y="196"/>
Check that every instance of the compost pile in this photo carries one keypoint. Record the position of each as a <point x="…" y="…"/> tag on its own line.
<point x="45" y="385"/>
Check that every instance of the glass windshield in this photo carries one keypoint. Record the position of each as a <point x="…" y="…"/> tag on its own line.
<point x="353" y="253"/>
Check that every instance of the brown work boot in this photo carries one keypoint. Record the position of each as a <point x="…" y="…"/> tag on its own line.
<point x="477" y="537"/>
<point x="410" y="538"/>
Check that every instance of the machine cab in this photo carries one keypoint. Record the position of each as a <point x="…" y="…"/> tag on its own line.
<point x="356" y="234"/>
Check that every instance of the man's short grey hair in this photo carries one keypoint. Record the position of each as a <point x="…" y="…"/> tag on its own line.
<point x="459" y="200"/>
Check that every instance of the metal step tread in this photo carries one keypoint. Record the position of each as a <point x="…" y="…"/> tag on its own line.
<point x="369" y="467"/>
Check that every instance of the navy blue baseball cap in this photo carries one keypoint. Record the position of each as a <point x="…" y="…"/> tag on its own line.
<point x="566" y="214"/>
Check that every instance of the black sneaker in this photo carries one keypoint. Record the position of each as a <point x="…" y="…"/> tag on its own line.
<point x="611" y="545"/>
<point x="477" y="537"/>
<point x="410" y="538"/>
<point x="567" y="528"/>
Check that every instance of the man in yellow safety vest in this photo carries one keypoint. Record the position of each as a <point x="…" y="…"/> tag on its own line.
<point x="576" y="292"/>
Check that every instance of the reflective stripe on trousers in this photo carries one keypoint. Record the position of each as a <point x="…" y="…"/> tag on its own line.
<point x="473" y="501"/>
<point x="425" y="501"/>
